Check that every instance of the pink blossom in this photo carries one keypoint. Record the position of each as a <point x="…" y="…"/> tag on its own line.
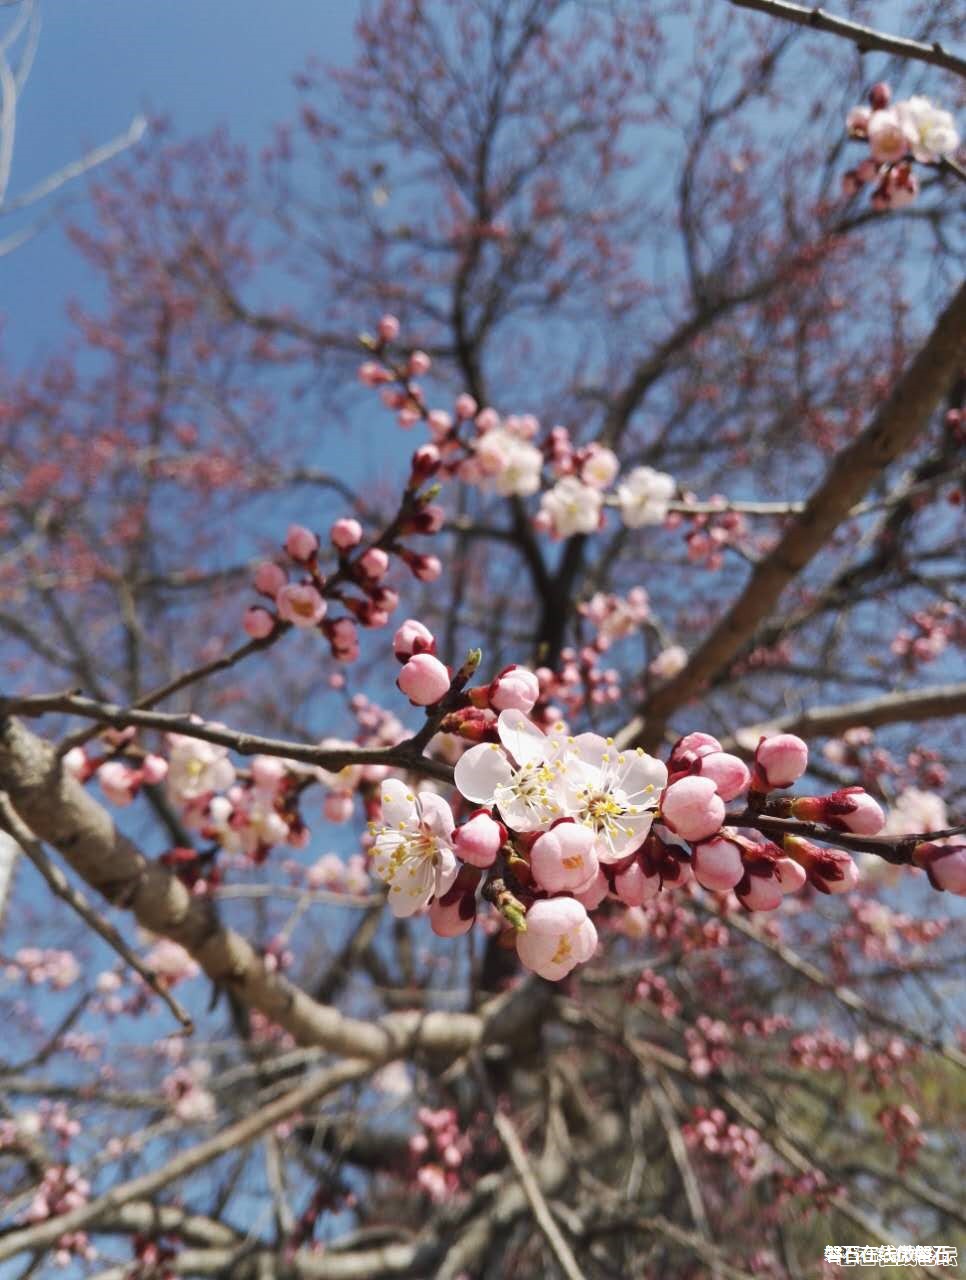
<point x="258" y="623"/>
<point x="424" y="679"/>
<point x="154" y="769"/>
<point x="77" y="764"/>
<point x="301" y="543"/>
<point x="373" y="564"/>
<point x="268" y="772"/>
<point x="559" y="935"/>
<point x="338" y="806"/>
<point x="563" y="858"/>
<point x="479" y="840"/>
<point x="118" y="782"/>
<point x="692" y="808"/>
<point x="944" y="864"/>
<point x="412" y="637"/>
<point x="849" y="809"/>
<point x="857" y="122"/>
<point x="345" y="533"/>
<point x="419" y="363"/>
<point x="828" y="870"/>
<point x="601" y="467"/>
<point x="300" y="604"/>
<point x="635" y="886"/>
<point x="761" y="894"/>
<point x="717" y="864"/>
<point x="890" y="136"/>
<point x="514" y="688"/>
<point x="465" y="406"/>
<point x="269" y="578"/>
<point x="728" y="773"/>
<point x="779" y="761"/>
<point x="389" y="328"/>
<point x="791" y="876"/>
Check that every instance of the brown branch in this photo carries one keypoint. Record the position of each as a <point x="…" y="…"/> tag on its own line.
<point x="60" y="885"/>
<point x="889" y="708"/>
<point x="402" y="756"/>
<point x="851" y="473"/>
<point x="44" y="1233"/>
<point x="57" y="809"/>
<point x="865" y="39"/>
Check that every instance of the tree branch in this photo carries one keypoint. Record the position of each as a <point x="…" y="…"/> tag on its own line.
<point x="865" y="39"/>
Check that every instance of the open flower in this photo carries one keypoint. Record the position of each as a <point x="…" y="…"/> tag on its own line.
<point x="522" y="777"/>
<point x="613" y="792"/>
<point x="413" y="850"/>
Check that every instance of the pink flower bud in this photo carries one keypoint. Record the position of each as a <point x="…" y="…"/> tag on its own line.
<point x="425" y="568"/>
<point x="828" y="870"/>
<point x="269" y="579"/>
<point x="346" y="533"/>
<point x="268" y="771"/>
<point x="692" y="808"/>
<point x="880" y="95"/>
<point x="514" y="689"/>
<point x="258" y="623"/>
<point x="419" y="363"/>
<point x="479" y="840"/>
<point x="426" y="462"/>
<point x="944" y="864"/>
<point x="154" y="769"/>
<point x="77" y="764"/>
<point x="857" y="122"/>
<point x="717" y="864"/>
<point x="389" y="328"/>
<point x="729" y="774"/>
<point x="118" y="782"/>
<point x="412" y="637"/>
<point x="301" y="543"/>
<point x="453" y="914"/>
<point x="635" y="886"/>
<point x="466" y="406"/>
<point x="849" y="809"/>
<point x="472" y="724"/>
<point x="563" y="858"/>
<point x="791" y="876"/>
<point x="373" y="564"/>
<point x="300" y="604"/>
<point x="373" y="374"/>
<point x="694" y="745"/>
<point x="761" y="894"/>
<point x="338" y="806"/>
<point x="424" y="680"/>
<point x="779" y="761"/>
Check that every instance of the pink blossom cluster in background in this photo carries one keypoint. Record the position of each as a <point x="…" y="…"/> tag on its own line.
<point x="898" y="134"/>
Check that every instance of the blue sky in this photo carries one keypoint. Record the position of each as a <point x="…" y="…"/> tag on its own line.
<point x="101" y="62"/>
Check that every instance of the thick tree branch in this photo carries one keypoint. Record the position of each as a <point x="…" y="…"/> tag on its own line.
<point x="891" y="708"/>
<point x="891" y="431"/>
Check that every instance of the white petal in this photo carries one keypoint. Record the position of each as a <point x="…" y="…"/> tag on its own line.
<point x="629" y="835"/>
<point x="480" y="771"/>
<point x="435" y="814"/>
<point x="446" y="873"/>
<point x="398" y="804"/>
<point x="525" y="742"/>
<point x="637" y="774"/>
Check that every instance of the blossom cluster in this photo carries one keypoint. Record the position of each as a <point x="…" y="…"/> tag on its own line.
<point x="898" y="134"/>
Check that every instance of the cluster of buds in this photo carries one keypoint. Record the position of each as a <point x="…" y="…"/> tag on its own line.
<point x="712" y="1133"/>
<point x="62" y="1190"/>
<point x="902" y="1127"/>
<point x="185" y="1093"/>
<point x="898" y="134"/>
<point x="151" y="1258"/>
<point x="438" y="1153"/>
<point x="935" y="629"/>
<point x="708" y="533"/>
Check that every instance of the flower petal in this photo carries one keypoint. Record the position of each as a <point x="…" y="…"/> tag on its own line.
<point x="525" y="742"/>
<point x="480" y="771"/>
<point x="398" y="804"/>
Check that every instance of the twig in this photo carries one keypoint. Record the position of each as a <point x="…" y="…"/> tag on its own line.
<point x="62" y="887"/>
<point x="865" y="39"/>
<point x="538" y="1205"/>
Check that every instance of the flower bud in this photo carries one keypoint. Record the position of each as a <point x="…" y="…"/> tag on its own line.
<point x="729" y="774"/>
<point x="424" y="680"/>
<point x="389" y="328"/>
<point x="779" y="761"/>
<point x="473" y="724"/>
<point x="828" y="870"/>
<point x="466" y="406"/>
<point x="514" y="689"/>
<point x="758" y="893"/>
<point x="373" y="564"/>
<point x="791" y="876"/>
<point x="454" y="913"/>
<point x="258" y="623"/>
<point x="269" y="579"/>
<point x="717" y="864"/>
<point x="944" y="864"/>
<point x="346" y="533"/>
<point x="301" y="543"/>
<point x="850" y="809"/>
<point x="635" y="885"/>
<point x="154" y="769"/>
<point x="563" y="858"/>
<point x="425" y="463"/>
<point x="479" y="840"/>
<point x="880" y="95"/>
<point x="692" y="808"/>
<point x="338" y="806"/>
<point x="412" y="637"/>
